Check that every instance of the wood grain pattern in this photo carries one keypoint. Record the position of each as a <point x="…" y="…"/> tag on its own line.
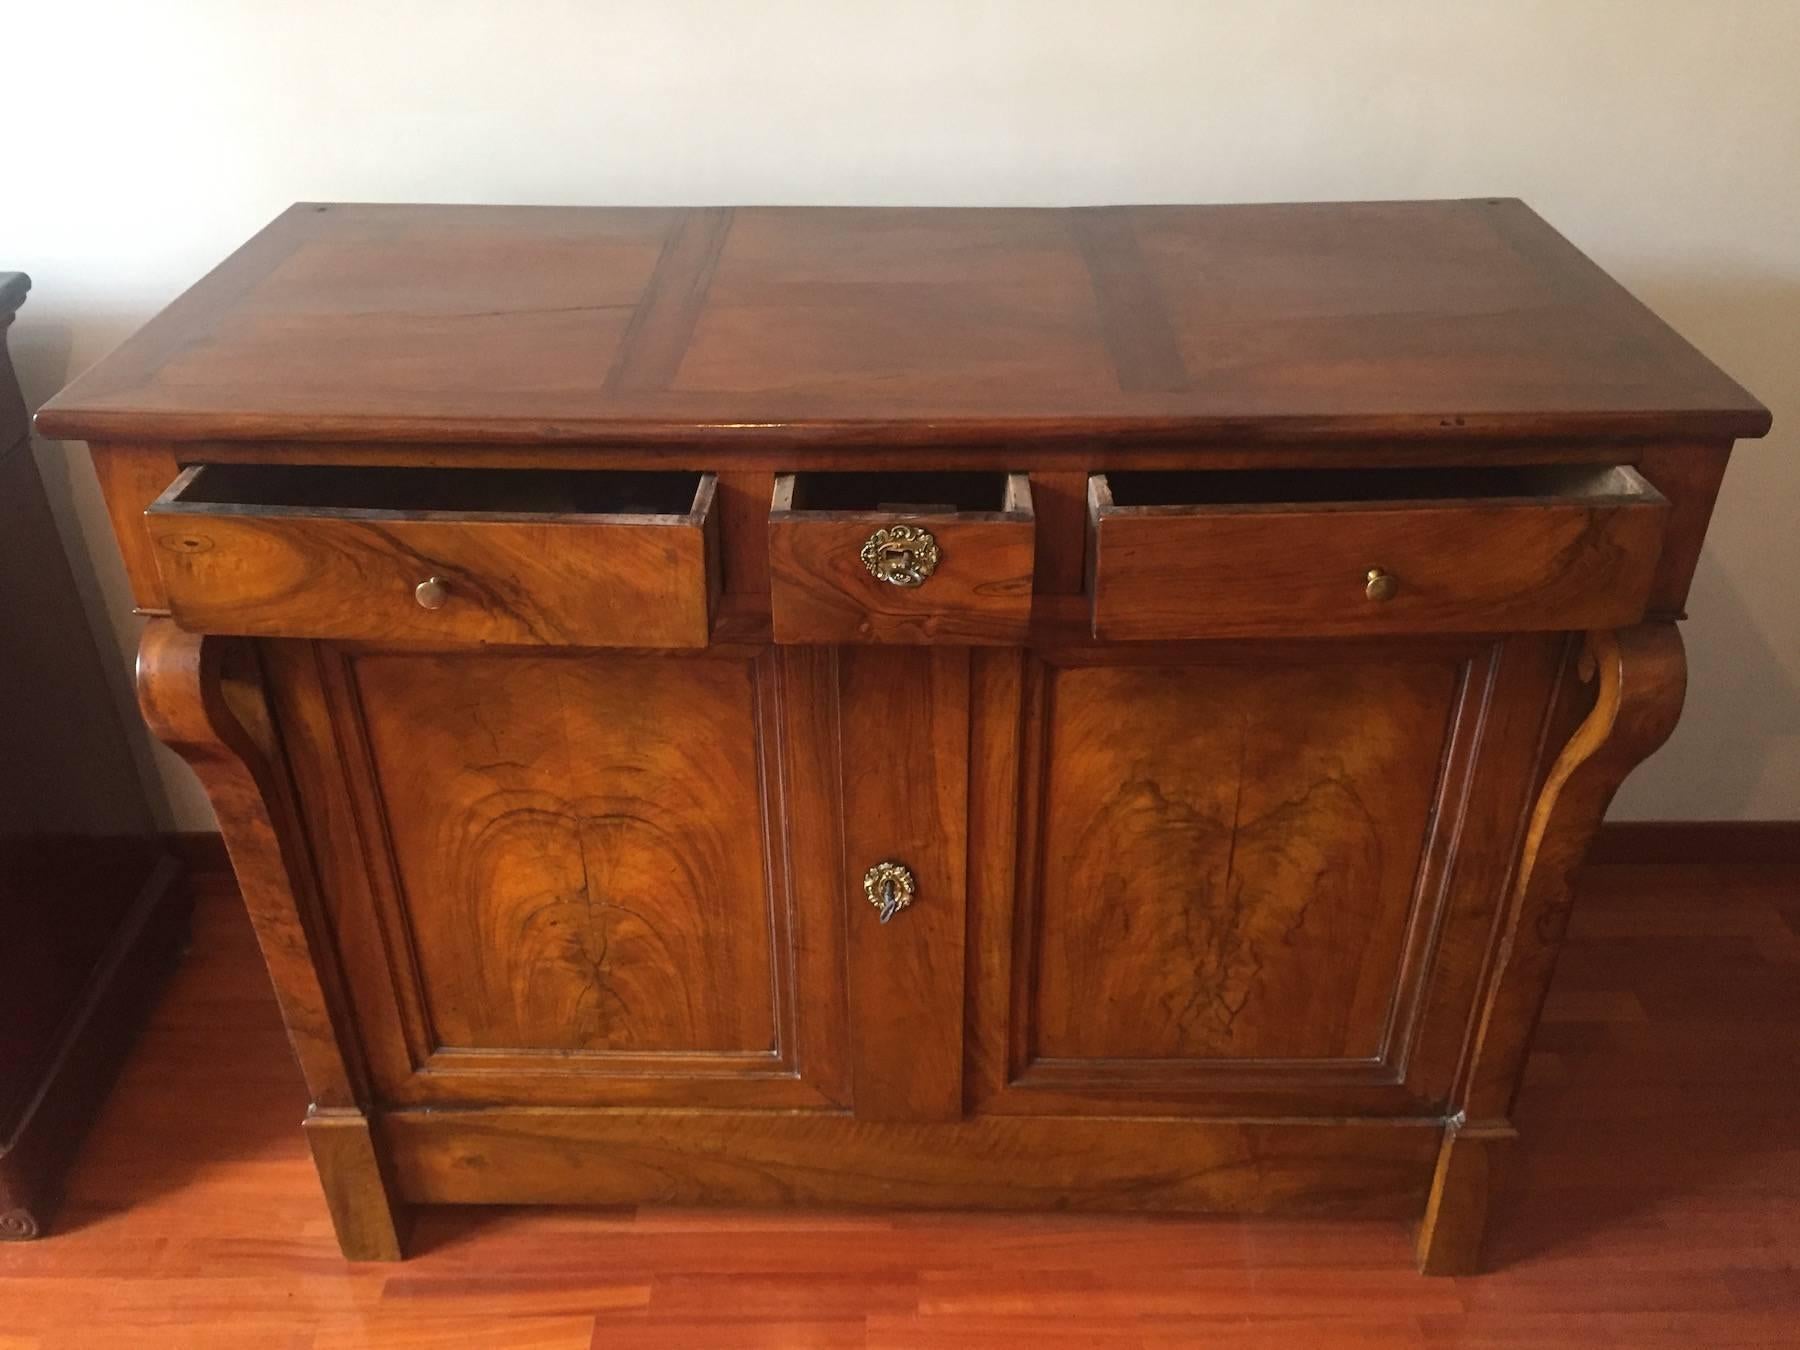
<point x="132" y="476"/>
<point x="1145" y="354"/>
<point x="555" y="579"/>
<point x="1480" y="777"/>
<point x="1231" y="856"/>
<point x="589" y="908"/>
<point x="903" y="726"/>
<point x="1454" y="1229"/>
<point x="990" y="1162"/>
<point x="743" y="507"/>
<point x="652" y="347"/>
<point x="1452" y="320"/>
<point x="369" y="1225"/>
<point x="1690" y="477"/>
<point x="586" y="869"/>
<point x="1641" y="678"/>
<point x="820" y="590"/>
<point x="1573" y="557"/>
<point x="203" y="698"/>
<point x="1059" y="503"/>
<point x="1059" y="474"/>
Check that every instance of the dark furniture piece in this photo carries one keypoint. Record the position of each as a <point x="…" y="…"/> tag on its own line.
<point x="1047" y="708"/>
<point x="92" y="917"/>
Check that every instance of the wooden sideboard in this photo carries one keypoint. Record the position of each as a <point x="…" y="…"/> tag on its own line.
<point x="93" y="917"/>
<point x="1019" y="708"/>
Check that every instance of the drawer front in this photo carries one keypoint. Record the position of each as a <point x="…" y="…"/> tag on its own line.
<point x="258" y="552"/>
<point x="1552" y="550"/>
<point x="955" y="570"/>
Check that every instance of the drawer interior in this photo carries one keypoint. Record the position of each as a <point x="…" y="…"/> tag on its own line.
<point x="1325" y="488"/>
<point x="381" y="490"/>
<point x="909" y="494"/>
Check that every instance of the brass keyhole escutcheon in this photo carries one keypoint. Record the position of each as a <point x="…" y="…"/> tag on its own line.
<point x="432" y="593"/>
<point x="901" y="555"/>
<point x="1380" y="585"/>
<point x="889" y="886"/>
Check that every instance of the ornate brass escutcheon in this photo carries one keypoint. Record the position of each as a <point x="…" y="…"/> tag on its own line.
<point x="889" y="887"/>
<point x="901" y="555"/>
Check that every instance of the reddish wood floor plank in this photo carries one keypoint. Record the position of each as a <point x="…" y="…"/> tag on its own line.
<point x="1655" y="1201"/>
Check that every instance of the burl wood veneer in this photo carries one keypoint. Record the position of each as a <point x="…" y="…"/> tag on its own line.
<point x="1230" y="623"/>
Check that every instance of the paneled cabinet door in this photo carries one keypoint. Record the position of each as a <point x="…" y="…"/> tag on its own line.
<point x="568" y="877"/>
<point x="1242" y="878"/>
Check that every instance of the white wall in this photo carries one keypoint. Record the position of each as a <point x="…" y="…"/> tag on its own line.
<point x="1663" y="136"/>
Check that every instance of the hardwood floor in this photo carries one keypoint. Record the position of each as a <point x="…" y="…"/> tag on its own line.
<point x="1659" y="1202"/>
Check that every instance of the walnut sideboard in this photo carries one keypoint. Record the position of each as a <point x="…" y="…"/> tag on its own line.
<point x="1088" y="708"/>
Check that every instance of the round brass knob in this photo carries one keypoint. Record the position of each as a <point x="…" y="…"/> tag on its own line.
<point x="432" y="593"/>
<point x="1380" y="585"/>
<point x="901" y="555"/>
<point x="889" y="886"/>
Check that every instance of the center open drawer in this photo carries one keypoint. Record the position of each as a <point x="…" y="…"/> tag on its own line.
<point x="528" y="556"/>
<point x="1332" y="552"/>
<point x="901" y="557"/>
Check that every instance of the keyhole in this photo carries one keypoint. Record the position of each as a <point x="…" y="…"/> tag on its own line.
<point x="890" y="899"/>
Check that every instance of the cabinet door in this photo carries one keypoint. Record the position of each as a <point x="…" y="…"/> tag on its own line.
<point x="565" y="877"/>
<point x="1249" y="878"/>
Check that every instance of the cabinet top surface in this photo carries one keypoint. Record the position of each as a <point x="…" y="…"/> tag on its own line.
<point x="1441" y="320"/>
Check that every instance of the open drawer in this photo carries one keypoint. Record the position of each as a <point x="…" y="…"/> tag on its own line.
<point x="1301" y="552"/>
<point x="901" y="557"/>
<point x="532" y="556"/>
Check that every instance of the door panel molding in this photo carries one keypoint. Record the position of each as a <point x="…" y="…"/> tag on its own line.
<point x="1472" y="770"/>
<point x="415" y="1061"/>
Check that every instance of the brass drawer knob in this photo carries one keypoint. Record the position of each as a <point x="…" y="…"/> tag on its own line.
<point x="889" y="887"/>
<point x="432" y="592"/>
<point x="1380" y="585"/>
<point x="901" y="555"/>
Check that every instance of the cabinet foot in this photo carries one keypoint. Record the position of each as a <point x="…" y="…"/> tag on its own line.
<point x="368" y="1221"/>
<point x="1468" y="1169"/>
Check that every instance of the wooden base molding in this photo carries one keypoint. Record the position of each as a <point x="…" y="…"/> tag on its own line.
<point x="1377" y="1168"/>
<point x="370" y="1227"/>
<point x="1455" y="1222"/>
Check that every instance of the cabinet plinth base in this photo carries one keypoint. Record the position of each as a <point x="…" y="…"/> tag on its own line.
<point x="508" y="1156"/>
<point x="1455" y="1222"/>
<point x="370" y="1226"/>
